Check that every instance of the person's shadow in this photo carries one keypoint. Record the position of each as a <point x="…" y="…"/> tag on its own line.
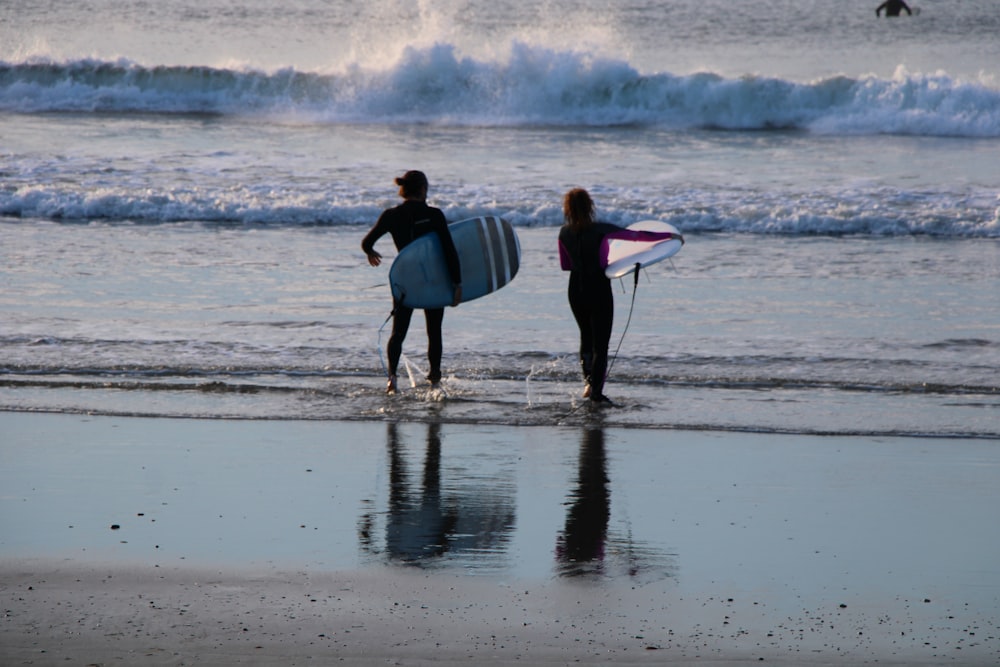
<point x="429" y="520"/>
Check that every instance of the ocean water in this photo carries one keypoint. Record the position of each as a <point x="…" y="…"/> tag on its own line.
<point x="184" y="187"/>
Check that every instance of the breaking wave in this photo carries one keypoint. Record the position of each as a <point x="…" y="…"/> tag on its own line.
<point x="534" y="86"/>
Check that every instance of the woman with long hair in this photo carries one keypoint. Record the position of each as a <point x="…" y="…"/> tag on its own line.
<point x="589" y="293"/>
<point x="582" y="252"/>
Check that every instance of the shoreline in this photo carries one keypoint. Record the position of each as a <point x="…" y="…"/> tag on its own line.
<point x="589" y="415"/>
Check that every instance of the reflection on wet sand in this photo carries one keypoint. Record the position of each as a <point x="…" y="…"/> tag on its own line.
<point x="587" y="545"/>
<point x="428" y="520"/>
<point x="464" y="514"/>
<point x="580" y="547"/>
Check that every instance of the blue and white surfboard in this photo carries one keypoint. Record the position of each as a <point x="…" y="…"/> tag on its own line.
<point x="488" y="251"/>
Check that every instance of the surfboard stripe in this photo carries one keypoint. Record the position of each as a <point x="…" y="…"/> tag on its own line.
<point x="495" y="246"/>
<point x="487" y="255"/>
<point x="504" y="258"/>
<point x="503" y="267"/>
<point x="502" y="251"/>
<point x="511" y="251"/>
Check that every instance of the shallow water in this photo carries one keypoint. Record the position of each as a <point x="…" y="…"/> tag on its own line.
<point x="821" y="335"/>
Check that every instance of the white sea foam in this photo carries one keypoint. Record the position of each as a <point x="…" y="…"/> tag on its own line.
<point x="881" y="211"/>
<point x="533" y="86"/>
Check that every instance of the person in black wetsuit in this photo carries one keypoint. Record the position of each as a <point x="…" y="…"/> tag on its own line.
<point x="893" y="8"/>
<point x="583" y="250"/>
<point x="406" y="222"/>
<point x="589" y="293"/>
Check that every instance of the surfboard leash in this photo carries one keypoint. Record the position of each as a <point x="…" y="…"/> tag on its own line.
<point x="635" y="288"/>
<point x="381" y="359"/>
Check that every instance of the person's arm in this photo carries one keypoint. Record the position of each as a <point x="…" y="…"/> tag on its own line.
<point x="643" y="236"/>
<point x="565" y="260"/>
<point x="907" y="8"/>
<point x="879" y="9"/>
<point x="373" y="235"/>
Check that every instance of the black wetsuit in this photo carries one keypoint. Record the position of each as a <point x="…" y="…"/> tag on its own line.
<point x="590" y="298"/>
<point x="407" y="222"/>
<point x="893" y="8"/>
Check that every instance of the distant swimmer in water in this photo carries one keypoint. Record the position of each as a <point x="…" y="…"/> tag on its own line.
<point x="892" y="8"/>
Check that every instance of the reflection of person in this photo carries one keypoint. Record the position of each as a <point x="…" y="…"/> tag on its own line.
<point x="583" y="252"/>
<point x="419" y="524"/>
<point x="430" y="517"/>
<point x="406" y="222"/>
<point x="892" y="8"/>
<point x="580" y="548"/>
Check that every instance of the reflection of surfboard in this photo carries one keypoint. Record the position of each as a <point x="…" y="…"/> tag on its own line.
<point x="488" y="250"/>
<point x="624" y="255"/>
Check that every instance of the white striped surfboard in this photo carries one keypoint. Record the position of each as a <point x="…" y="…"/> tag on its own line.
<point x="488" y="250"/>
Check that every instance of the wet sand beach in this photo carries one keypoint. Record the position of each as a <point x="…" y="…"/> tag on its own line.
<point x="179" y="542"/>
<point x="59" y="613"/>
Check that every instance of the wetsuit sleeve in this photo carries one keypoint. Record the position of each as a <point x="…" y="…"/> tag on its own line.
<point x="566" y="256"/>
<point x="638" y="235"/>
<point x="375" y="233"/>
<point x="450" y="253"/>
<point x="565" y="260"/>
<point x="633" y="235"/>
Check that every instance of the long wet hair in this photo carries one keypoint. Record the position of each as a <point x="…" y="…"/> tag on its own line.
<point x="412" y="184"/>
<point x="578" y="209"/>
